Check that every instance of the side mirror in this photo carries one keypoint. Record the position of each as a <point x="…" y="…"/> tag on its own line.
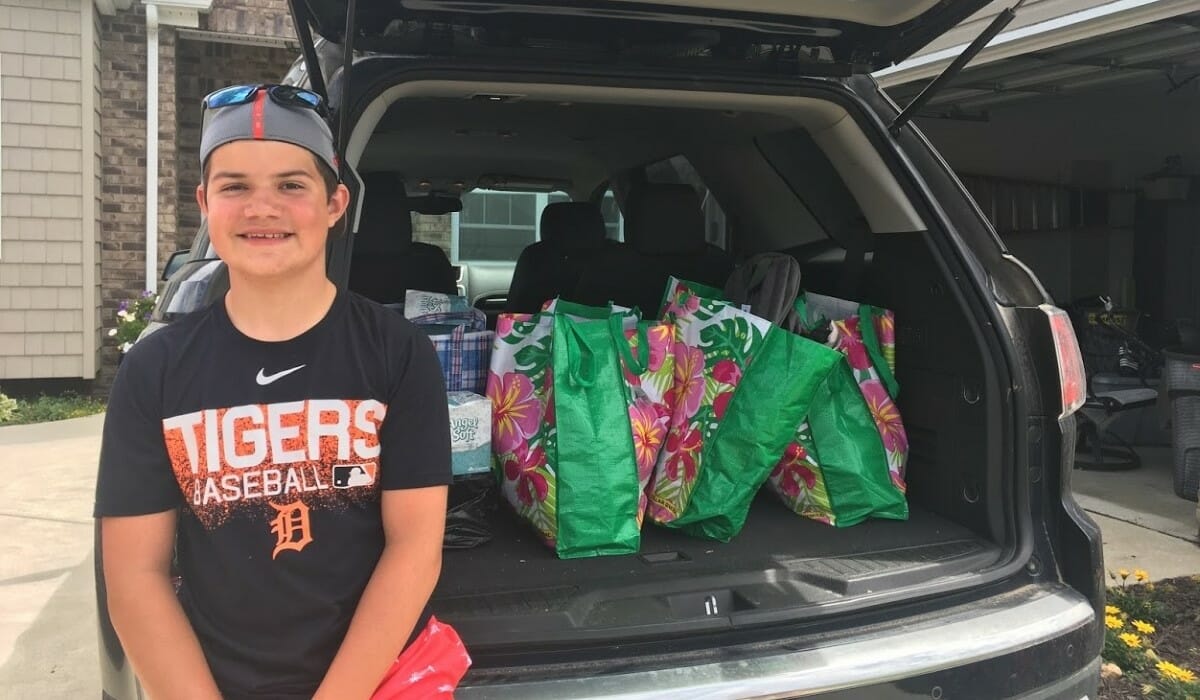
<point x="176" y="261"/>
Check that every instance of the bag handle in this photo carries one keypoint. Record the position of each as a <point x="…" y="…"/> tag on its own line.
<point x="570" y="308"/>
<point x="637" y="365"/>
<point x="616" y="327"/>
<point x="866" y="326"/>
<point x="581" y="370"/>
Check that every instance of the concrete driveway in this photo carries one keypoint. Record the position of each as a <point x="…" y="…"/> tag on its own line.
<point x="1145" y="524"/>
<point x="48" y="638"/>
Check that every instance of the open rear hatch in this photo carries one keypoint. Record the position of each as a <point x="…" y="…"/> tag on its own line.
<point x="821" y="36"/>
<point x="513" y="595"/>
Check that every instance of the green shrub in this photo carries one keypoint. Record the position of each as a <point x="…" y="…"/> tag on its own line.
<point x="48" y="408"/>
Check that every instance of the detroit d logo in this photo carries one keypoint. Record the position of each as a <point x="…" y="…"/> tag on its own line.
<point x="291" y="527"/>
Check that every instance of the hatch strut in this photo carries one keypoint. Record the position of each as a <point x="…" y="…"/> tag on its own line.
<point x="315" y="79"/>
<point x="347" y="65"/>
<point x="998" y="24"/>
<point x="300" y="17"/>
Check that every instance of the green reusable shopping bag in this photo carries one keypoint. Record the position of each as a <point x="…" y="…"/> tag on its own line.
<point x="742" y="387"/>
<point x="844" y="464"/>
<point x="775" y="394"/>
<point x="835" y="469"/>
<point x="598" y="488"/>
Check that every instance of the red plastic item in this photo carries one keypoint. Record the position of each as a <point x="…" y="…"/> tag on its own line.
<point x="430" y="667"/>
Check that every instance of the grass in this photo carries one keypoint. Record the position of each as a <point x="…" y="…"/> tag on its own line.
<point x="47" y="408"/>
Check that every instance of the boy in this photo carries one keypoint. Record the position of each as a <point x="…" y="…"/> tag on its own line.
<point x="289" y="444"/>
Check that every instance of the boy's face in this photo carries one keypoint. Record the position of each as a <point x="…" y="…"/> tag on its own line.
<point x="268" y="212"/>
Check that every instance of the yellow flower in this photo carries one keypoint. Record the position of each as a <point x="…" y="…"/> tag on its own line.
<point x="1113" y="622"/>
<point x="1111" y="610"/>
<point x="1143" y="627"/>
<point x="1175" y="673"/>
<point x="1123" y="573"/>
<point x="1131" y="640"/>
<point x="1140" y="574"/>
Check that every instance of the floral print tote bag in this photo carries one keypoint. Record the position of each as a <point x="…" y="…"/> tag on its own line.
<point x="846" y="461"/>
<point x="742" y="386"/>
<point x="579" y="414"/>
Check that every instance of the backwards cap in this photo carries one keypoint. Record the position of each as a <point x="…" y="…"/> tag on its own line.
<point x="264" y="119"/>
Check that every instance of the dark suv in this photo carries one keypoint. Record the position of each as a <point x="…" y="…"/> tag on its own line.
<point x="766" y="112"/>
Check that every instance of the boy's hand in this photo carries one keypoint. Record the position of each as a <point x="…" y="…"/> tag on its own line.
<point x="150" y="623"/>
<point x="414" y="523"/>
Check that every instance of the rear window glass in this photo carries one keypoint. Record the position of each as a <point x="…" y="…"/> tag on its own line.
<point x="496" y="226"/>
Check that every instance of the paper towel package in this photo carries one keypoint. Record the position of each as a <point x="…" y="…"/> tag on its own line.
<point x="470" y="433"/>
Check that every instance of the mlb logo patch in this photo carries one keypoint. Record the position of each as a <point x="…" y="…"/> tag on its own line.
<point x="349" y="476"/>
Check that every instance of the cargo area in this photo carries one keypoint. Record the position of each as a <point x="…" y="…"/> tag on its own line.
<point x="794" y="173"/>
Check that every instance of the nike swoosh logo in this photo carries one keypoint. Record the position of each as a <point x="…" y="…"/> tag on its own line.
<point x="265" y="379"/>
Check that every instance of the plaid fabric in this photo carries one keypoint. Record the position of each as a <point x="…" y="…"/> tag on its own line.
<point x="465" y="357"/>
<point x="463" y="347"/>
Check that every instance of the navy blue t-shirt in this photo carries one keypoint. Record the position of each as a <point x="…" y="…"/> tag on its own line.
<point x="275" y="454"/>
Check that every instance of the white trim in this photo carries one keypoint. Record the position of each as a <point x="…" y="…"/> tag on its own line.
<point x="151" y="146"/>
<point x="178" y="13"/>
<point x="1096" y="21"/>
<point x="273" y="42"/>
<point x="1" y="159"/>
<point x="87" y="88"/>
<point x="196" y="5"/>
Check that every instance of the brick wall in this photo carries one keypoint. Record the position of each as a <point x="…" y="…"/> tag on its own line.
<point x="123" y="169"/>
<point x="432" y="229"/>
<point x="252" y="17"/>
<point x="202" y="68"/>
<point x="41" y="233"/>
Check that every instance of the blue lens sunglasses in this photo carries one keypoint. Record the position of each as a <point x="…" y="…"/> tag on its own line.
<point x="286" y="95"/>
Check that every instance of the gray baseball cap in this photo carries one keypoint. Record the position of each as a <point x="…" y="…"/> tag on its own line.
<point x="262" y="118"/>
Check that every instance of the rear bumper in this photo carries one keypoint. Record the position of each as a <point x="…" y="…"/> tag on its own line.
<point x="1041" y="641"/>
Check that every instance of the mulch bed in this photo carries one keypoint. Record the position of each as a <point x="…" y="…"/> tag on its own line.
<point x="1177" y="638"/>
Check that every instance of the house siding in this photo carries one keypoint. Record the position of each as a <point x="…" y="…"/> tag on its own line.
<point x="42" y="230"/>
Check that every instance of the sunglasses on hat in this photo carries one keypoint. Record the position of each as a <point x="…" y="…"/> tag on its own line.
<point x="286" y="95"/>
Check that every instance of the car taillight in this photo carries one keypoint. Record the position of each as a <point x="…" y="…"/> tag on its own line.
<point x="1071" y="377"/>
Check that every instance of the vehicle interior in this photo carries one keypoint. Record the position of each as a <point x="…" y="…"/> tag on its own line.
<point x="599" y="194"/>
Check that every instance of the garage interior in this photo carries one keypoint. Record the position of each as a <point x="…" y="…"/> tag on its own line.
<point x="1086" y="158"/>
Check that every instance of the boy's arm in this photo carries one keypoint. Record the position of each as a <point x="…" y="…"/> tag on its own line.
<point x="145" y="612"/>
<point x="414" y="521"/>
